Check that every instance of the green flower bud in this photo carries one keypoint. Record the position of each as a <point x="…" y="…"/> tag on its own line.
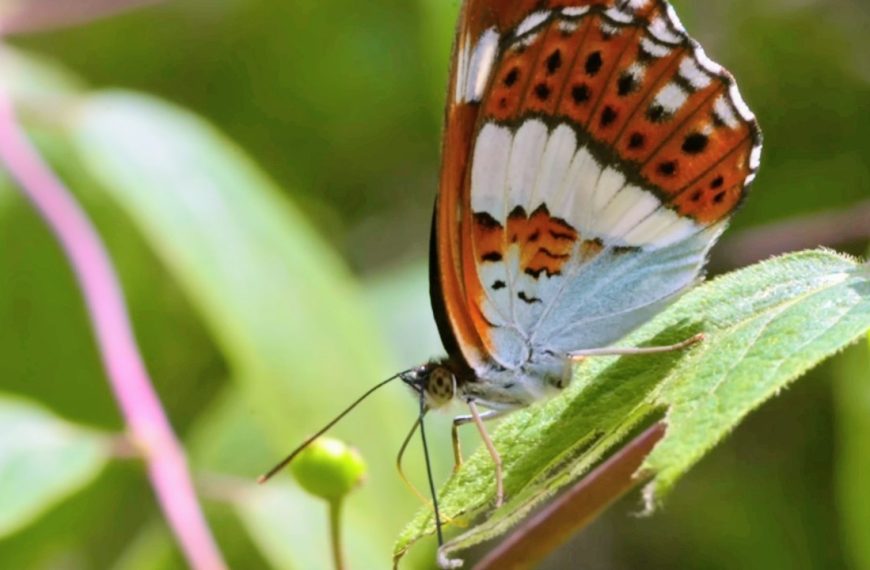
<point x="329" y="468"/>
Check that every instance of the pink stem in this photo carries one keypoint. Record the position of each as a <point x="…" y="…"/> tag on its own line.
<point x="45" y="15"/>
<point x="140" y="405"/>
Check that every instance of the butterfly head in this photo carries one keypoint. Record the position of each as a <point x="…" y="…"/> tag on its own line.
<point x="434" y="381"/>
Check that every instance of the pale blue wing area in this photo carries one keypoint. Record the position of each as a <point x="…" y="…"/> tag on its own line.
<point x="595" y="302"/>
<point x="617" y="291"/>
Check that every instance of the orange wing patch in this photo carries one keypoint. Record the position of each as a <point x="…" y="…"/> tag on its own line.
<point x="545" y="243"/>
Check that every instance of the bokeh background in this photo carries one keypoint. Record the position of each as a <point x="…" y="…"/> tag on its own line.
<point x="260" y="322"/>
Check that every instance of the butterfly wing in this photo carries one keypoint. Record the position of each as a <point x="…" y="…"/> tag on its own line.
<point x="592" y="155"/>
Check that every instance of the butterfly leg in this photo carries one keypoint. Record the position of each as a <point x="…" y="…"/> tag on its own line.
<point x="461" y="421"/>
<point x="579" y="355"/>
<point x="493" y="452"/>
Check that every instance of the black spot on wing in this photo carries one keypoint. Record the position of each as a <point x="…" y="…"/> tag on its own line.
<point x="594" y="63"/>
<point x="636" y="141"/>
<point x="668" y="168"/>
<point x="554" y="62"/>
<point x="608" y="115"/>
<point x="580" y="94"/>
<point x="626" y="84"/>
<point x="486" y="220"/>
<point x="695" y="143"/>
<point x="655" y="113"/>
<point x="624" y="249"/>
<point x="525" y="298"/>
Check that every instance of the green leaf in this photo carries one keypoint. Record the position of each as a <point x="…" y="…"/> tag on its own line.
<point x="271" y="514"/>
<point x="281" y="306"/>
<point x="35" y="82"/>
<point x="42" y="460"/>
<point x="151" y="549"/>
<point x="764" y="326"/>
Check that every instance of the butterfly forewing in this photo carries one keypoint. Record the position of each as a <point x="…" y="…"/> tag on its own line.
<point x="592" y="155"/>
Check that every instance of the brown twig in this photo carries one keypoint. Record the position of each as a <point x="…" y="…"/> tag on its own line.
<point x="830" y="229"/>
<point x="542" y="533"/>
<point x="44" y="15"/>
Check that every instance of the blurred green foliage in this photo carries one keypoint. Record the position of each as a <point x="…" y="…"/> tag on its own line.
<point x="340" y="103"/>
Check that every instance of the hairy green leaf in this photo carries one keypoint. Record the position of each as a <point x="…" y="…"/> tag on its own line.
<point x="42" y="460"/>
<point x="764" y="326"/>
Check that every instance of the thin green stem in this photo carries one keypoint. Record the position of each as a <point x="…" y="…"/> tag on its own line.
<point x="335" y="533"/>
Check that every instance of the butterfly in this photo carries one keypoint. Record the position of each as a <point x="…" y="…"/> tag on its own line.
<point x="592" y="155"/>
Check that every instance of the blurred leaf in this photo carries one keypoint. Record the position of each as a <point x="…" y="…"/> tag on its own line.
<point x="271" y="514"/>
<point x="152" y="549"/>
<point x="280" y="305"/>
<point x="42" y="460"/>
<point x="278" y="301"/>
<point x="35" y="81"/>
<point x="400" y="300"/>
<point x="764" y="326"/>
<point x="852" y="391"/>
<point x="226" y="437"/>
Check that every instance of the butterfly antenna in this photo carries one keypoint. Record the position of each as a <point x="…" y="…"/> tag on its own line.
<point x="429" y="471"/>
<point x="268" y="475"/>
<point x="399" y="457"/>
